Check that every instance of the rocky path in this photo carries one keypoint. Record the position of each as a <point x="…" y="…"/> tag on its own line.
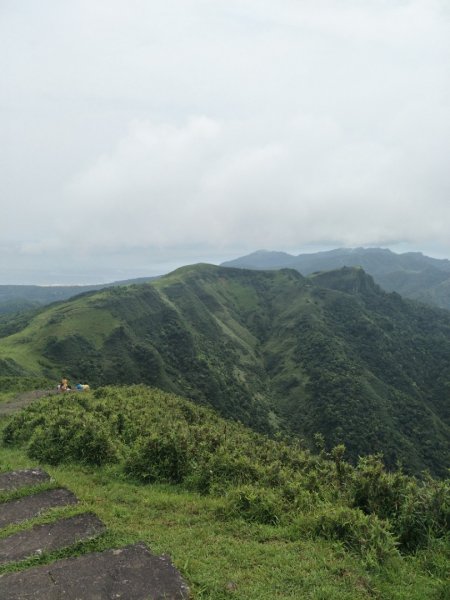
<point x="11" y="406"/>
<point x="130" y="573"/>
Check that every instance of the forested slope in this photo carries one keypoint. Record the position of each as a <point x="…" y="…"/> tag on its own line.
<point x="330" y="354"/>
<point x="411" y="274"/>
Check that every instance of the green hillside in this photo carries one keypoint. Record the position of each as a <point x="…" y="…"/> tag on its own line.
<point x="411" y="274"/>
<point x="15" y="298"/>
<point x="241" y="515"/>
<point x="329" y="354"/>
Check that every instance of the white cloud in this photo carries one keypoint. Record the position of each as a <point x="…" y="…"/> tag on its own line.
<point x="210" y="182"/>
<point x="145" y="129"/>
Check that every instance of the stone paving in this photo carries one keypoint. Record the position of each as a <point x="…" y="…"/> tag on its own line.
<point x="49" y="537"/>
<point x="14" y="480"/>
<point x="130" y="573"/>
<point x="32" y="506"/>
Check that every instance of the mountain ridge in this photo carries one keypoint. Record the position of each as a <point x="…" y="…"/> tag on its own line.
<point x="331" y="353"/>
<point x="411" y="274"/>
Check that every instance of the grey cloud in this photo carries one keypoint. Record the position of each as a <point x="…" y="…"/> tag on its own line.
<point x="140" y="130"/>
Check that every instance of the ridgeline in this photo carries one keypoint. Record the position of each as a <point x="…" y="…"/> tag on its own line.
<point x="331" y="354"/>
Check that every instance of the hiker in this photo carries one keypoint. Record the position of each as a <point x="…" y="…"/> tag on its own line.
<point x="82" y="387"/>
<point x="64" y="385"/>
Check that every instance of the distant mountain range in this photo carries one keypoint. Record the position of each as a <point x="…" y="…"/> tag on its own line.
<point x="330" y="353"/>
<point x="411" y="274"/>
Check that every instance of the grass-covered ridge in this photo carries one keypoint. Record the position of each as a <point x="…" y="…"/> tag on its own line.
<point x="331" y="353"/>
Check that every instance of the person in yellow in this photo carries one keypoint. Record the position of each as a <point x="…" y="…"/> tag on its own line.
<point x="64" y="385"/>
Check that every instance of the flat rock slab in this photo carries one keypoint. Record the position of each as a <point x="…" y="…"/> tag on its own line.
<point x="28" y="507"/>
<point x="131" y="573"/>
<point x="49" y="537"/>
<point x="14" y="480"/>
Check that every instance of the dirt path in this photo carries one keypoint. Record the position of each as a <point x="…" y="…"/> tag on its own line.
<point x="18" y="402"/>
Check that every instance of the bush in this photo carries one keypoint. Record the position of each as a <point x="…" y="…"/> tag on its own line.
<point x="424" y="514"/>
<point x="159" y="457"/>
<point x="159" y="437"/>
<point x="82" y="439"/>
<point x="218" y="472"/>
<point x="21" y="427"/>
<point x="366" y="535"/>
<point x="297" y="497"/>
<point x="377" y="491"/>
<point x="418" y="511"/>
<point x="254" y="504"/>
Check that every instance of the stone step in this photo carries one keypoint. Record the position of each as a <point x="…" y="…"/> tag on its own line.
<point x="131" y="573"/>
<point x="49" y="537"/>
<point x="14" y="480"/>
<point x="17" y="511"/>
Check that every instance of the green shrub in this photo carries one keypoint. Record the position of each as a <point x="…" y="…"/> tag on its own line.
<point x="367" y="535"/>
<point x="255" y="504"/>
<point x="424" y="514"/>
<point x="81" y="439"/>
<point x="296" y="497"/>
<point x="418" y="511"/>
<point x="45" y="445"/>
<point x="377" y="491"/>
<point x="161" y="457"/>
<point x="21" y="427"/>
<point x="219" y="471"/>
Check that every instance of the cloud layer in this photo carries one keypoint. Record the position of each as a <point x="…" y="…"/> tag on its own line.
<point x="141" y="134"/>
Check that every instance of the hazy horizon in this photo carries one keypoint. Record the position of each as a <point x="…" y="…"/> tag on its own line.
<point x="47" y="279"/>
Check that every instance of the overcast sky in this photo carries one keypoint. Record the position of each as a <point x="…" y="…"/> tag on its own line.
<point x="140" y="135"/>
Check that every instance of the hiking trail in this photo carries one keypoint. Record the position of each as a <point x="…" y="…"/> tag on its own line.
<point x="130" y="573"/>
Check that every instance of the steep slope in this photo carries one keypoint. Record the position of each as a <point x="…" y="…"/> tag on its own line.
<point x="411" y="274"/>
<point x="371" y="370"/>
<point x="331" y="353"/>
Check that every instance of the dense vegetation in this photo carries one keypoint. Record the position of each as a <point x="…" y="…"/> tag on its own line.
<point x="329" y="354"/>
<point x="241" y="515"/>
<point x="19" y="298"/>
<point x="161" y="438"/>
<point x="14" y="298"/>
<point x="411" y="274"/>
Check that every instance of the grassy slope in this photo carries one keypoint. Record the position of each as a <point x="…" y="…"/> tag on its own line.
<point x="331" y="353"/>
<point x="223" y="560"/>
<point x="81" y="317"/>
<point x="226" y="557"/>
